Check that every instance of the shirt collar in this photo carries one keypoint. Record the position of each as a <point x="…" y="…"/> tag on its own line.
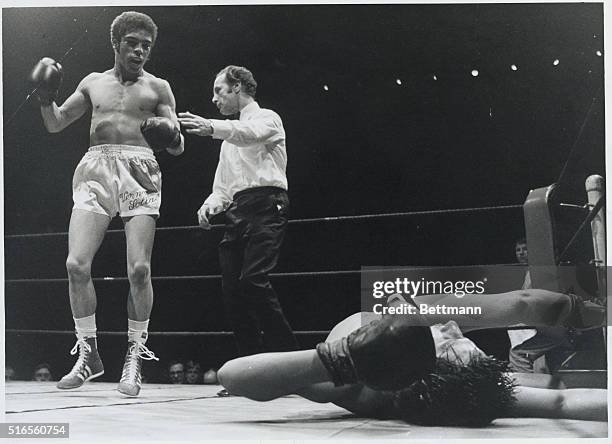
<point x="249" y="109"/>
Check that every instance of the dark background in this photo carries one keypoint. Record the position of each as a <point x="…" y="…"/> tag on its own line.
<point x="365" y="145"/>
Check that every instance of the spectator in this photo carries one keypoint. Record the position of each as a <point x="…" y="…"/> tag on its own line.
<point x="520" y="249"/>
<point x="9" y="373"/>
<point x="42" y="372"/>
<point x="176" y="372"/>
<point x="522" y="257"/>
<point x="193" y="373"/>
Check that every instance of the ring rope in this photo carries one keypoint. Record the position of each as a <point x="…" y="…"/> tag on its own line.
<point x="277" y="275"/>
<point x="592" y="214"/>
<point x="305" y="221"/>
<point x="177" y="333"/>
<point x="151" y="333"/>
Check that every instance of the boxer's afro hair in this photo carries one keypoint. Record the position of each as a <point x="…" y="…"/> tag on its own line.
<point x="129" y="21"/>
<point x="469" y="395"/>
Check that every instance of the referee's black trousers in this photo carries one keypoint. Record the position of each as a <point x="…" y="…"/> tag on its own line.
<point x="256" y="222"/>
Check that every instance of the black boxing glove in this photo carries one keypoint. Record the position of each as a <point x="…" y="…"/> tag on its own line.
<point x="386" y="354"/>
<point x="47" y="77"/>
<point x="160" y="133"/>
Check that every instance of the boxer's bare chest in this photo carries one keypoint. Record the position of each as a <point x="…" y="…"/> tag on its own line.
<point x="109" y="96"/>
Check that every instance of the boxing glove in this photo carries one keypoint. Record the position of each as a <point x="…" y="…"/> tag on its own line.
<point x="46" y="77"/>
<point x="386" y="354"/>
<point x="160" y="133"/>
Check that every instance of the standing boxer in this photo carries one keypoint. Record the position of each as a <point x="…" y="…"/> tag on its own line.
<point x="132" y="115"/>
<point x="251" y="184"/>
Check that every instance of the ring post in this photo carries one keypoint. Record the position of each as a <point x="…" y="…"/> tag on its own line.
<point x="540" y="234"/>
<point x="595" y="190"/>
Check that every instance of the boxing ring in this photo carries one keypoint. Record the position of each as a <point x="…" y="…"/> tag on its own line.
<point x="194" y="412"/>
<point x="96" y="412"/>
<point x="177" y="413"/>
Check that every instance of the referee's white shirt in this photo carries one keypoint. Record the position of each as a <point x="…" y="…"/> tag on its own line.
<point x="253" y="154"/>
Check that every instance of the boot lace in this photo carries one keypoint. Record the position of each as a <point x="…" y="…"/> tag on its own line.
<point x="136" y="352"/>
<point x="83" y="347"/>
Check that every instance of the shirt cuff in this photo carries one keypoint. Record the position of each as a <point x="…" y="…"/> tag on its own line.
<point x="216" y="201"/>
<point x="222" y="129"/>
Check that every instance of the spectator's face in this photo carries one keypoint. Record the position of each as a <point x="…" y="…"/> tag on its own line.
<point x="177" y="374"/>
<point x="9" y="374"/>
<point x="521" y="253"/>
<point x="42" y="374"/>
<point x="192" y="375"/>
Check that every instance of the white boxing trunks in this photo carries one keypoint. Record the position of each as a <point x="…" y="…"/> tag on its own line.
<point x="118" y="179"/>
